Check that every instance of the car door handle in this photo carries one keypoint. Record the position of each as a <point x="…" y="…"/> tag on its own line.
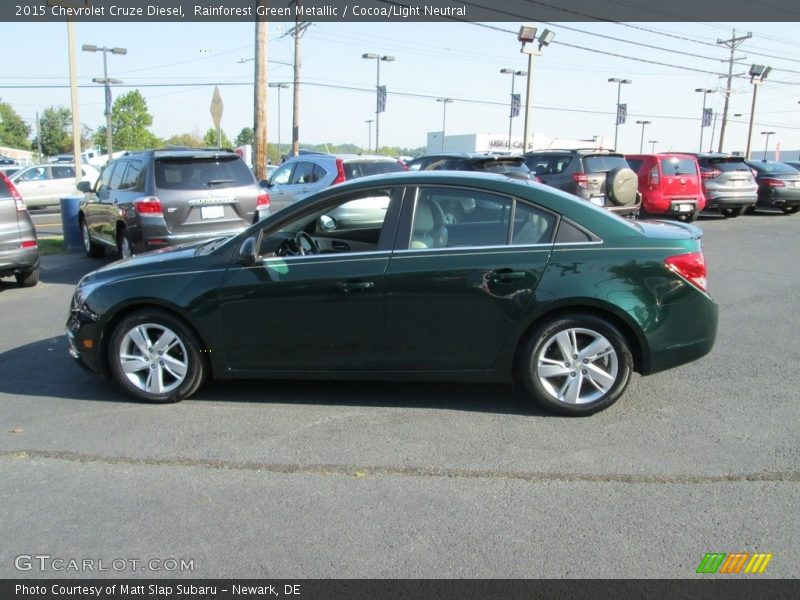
<point x="337" y="245"/>
<point x="355" y="286"/>
<point x="506" y="276"/>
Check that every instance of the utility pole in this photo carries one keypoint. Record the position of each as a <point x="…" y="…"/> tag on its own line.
<point x="732" y="43"/>
<point x="297" y="32"/>
<point x="39" y="131"/>
<point x="260" y="100"/>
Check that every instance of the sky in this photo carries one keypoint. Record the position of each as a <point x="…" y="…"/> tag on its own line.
<point x="572" y="97"/>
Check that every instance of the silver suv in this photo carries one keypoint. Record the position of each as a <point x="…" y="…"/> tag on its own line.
<point x="19" y="250"/>
<point x="300" y="176"/>
<point x="601" y="177"/>
<point x="157" y="198"/>
<point x="728" y="183"/>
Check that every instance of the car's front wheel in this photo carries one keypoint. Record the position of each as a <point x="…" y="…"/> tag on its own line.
<point x="576" y="364"/>
<point x="155" y="357"/>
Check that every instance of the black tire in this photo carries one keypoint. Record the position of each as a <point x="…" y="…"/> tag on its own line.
<point x="92" y="249"/>
<point x="689" y="217"/>
<point x="790" y="210"/>
<point x="542" y="351"/>
<point x="732" y="213"/>
<point x="622" y="186"/>
<point x="124" y="246"/>
<point x="27" y="278"/>
<point x="159" y="380"/>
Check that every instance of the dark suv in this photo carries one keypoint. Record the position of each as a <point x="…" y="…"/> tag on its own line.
<point x="157" y="198"/>
<point x="602" y="177"/>
<point x="19" y="249"/>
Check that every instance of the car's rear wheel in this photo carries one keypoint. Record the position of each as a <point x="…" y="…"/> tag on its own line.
<point x="155" y="357"/>
<point x="689" y="217"/>
<point x="576" y="364"/>
<point x="92" y="249"/>
<point x="790" y="210"/>
<point x="732" y="213"/>
<point x="124" y="247"/>
<point x="27" y="278"/>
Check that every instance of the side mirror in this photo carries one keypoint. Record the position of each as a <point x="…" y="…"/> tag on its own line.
<point x="84" y="186"/>
<point x="247" y="252"/>
<point x="264" y="183"/>
<point x="327" y="223"/>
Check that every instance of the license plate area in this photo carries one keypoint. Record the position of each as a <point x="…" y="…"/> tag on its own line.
<point x="212" y="212"/>
<point x="598" y="200"/>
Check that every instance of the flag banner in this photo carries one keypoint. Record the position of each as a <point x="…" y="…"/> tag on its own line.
<point x="381" y="98"/>
<point x="622" y="113"/>
<point x="516" y="102"/>
<point x="707" y="114"/>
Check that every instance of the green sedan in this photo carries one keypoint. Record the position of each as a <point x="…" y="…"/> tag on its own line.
<point x="425" y="276"/>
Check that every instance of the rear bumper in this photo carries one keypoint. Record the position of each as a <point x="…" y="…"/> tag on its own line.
<point x="21" y="260"/>
<point x="717" y="199"/>
<point x="780" y="197"/>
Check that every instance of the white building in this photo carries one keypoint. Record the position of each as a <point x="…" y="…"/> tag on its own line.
<point x="498" y="142"/>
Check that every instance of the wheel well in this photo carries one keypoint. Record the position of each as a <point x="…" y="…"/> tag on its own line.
<point x="124" y="312"/>
<point x="630" y="337"/>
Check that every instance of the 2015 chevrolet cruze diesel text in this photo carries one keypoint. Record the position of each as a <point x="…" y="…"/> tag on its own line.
<point x="530" y="283"/>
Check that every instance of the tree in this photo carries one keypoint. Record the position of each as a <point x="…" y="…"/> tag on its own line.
<point x="190" y="140"/>
<point x="55" y="130"/>
<point x="210" y="139"/>
<point x="246" y="136"/>
<point x="129" y="125"/>
<point x="14" y="132"/>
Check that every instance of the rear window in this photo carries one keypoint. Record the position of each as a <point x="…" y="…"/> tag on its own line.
<point x="501" y="166"/>
<point x="731" y="163"/>
<point x="192" y="173"/>
<point x="604" y="164"/>
<point x="355" y="169"/>
<point x="774" y="167"/>
<point x="678" y="166"/>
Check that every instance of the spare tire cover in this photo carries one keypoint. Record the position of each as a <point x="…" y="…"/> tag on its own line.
<point x="622" y="185"/>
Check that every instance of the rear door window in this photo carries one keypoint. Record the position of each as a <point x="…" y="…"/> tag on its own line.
<point x="133" y="178"/>
<point x="193" y="172"/>
<point x="62" y="172"/>
<point x="303" y="173"/>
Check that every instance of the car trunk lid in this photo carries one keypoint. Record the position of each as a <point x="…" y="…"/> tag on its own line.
<point x="680" y="177"/>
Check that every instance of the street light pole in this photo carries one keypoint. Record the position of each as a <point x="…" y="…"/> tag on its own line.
<point x="511" y="114"/>
<point x="378" y="58"/>
<point x="758" y="73"/>
<point x="106" y="81"/>
<point x="445" y="102"/>
<point x="619" y="83"/>
<point x="703" y="114"/>
<point x="369" y="123"/>
<point x="653" y="147"/>
<point x="280" y="86"/>
<point x="641" y="144"/>
<point x="526" y="35"/>
<point x="766" y="143"/>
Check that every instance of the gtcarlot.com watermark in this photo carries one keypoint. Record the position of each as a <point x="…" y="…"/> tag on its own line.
<point x="56" y="564"/>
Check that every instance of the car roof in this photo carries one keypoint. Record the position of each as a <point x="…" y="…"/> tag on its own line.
<point x="344" y="157"/>
<point x="606" y="151"/>
<point x="181" y="153"/>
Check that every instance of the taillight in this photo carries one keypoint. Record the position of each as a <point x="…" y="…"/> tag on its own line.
<point x="263" y="200"/>
<point x="655" y="177"/>
<point x="582" y="179"/>
<point x="148" y="206"/>
<point x="340" y="177"/>
<point x="692" y="267"/>
<point x="710" y="173"/>
<point x="772" y="182"/>
<point x="18" y="201"/>
<point x="754" y="172"/>
<point x="402" y="165"/>
<point x="28" y="244"/>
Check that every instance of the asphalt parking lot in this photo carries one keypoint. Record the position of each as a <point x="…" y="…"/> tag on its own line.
<point x="304" y="480"/>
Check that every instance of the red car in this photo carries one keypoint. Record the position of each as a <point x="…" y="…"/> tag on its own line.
<point x="670" y="184"/>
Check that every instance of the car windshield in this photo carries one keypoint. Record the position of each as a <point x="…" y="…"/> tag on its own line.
<point x="356" y="169"/>
<point x="678" y="166"/>
<point x="604" y="164"/>
<point x="502" y="166"/>
<point x="729" y="163"/>
<point x="192" y="172"/>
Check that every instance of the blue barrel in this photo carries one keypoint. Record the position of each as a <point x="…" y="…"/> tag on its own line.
<point x="70" y="207"/>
